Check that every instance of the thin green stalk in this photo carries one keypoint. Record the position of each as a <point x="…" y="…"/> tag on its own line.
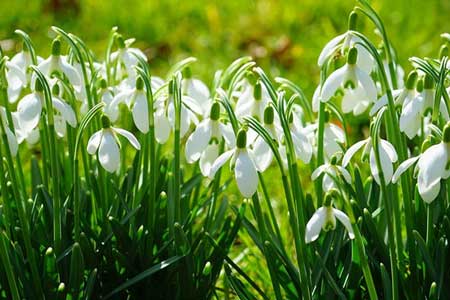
<point x="4" y="254"/>
<point x="176" y="150"/>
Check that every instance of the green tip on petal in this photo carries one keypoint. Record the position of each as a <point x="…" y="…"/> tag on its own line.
<point x="428" y="82"/>
<point x="56" y="47"/>
<point x="215" y="111"/>
<point x="241" y="141"/>
<point x="446" y="136"/>
<point x="106" y="123"/>
<point x="269" y="115"/>
<point x="352" y="56"/>
<point x="103" y="83"/>
<point x="38" y="87"/>
<point x="352" y="18"/>
<point x="187" y="73"/>
<point x="139" y="83"/>
<point x="120" y="41"/>
<point x="411" y="81"/>
<point x="257" y="91"/>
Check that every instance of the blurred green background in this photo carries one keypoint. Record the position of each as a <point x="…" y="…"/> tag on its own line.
<point x="285" y="37"/>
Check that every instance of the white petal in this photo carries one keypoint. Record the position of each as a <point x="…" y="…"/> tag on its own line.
<point x="219" y="162"/>
<point x="333" y="82"/>
<point x="198" y="141"/>
<point x="162" y="128"/>
<point x="302" y="146"/>
<point x="94" y="142"/>
<point x="29" y="112"/>
<point x="367" y="84"/>
<point x="228" y="134"/>
<point x="65" y="110"/>
<point x="262" y="154"/>
<point x="71" y="73"/>
<point x="108" y="152"/>
<point x="316" y="99"/>
<point x="329" y="48"/>
<point x="432" y="167"/>
<point x="389" y="149"/>
<point x="318" y="171"/>
<point x="12" y="141"/>
<point x="129" y="136"/>
<point x="428" y="192"/>
<point x="386" y="165"/>
<point x="314" y="225"/>
<point x="246" y="175"/>
<point x="208" y="157"/>
<point x="403" y="167"/>
<point x="351" y="151"/>
<point x="198" y="91"/>
<point x="345" y="174"/>
<point x="345" y="221"/>
<point x="140" y="113"/>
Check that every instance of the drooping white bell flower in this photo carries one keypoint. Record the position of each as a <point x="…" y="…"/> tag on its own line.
<point x="302" y="144"/>
<point x="358" y="88"/>
<point x="136" y="101"/>
<point x="17" y="80"/>
<point x="432" y="166"/>
<point x="58" y="63"/>
<point x="325" y="219"/>
<point x="343" y="42"/>
<point x="104" y="142"/>
<point x="29" y="111"/>
<point x="244" y="167"/>
<point x="252" y="101"/>
<point x="333" y="139"/>
<point x="260" y="150"/>
<point x="125" y="58"/>
<point x="196" y="89"/>
<point x="428" y="95"/>
<point x="11" y="137"/>
<point x="203" y="143"/>
<point x="331" y="171"/>
<point x="388" y="156"/>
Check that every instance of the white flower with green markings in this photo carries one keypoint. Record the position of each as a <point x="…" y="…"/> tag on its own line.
<point x="104" y="142"/>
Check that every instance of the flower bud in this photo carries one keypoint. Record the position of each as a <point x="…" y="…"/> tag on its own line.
<point x="241" y="140"/>
<point x="139" y="83"/>
<point x="187" y="73"/>
<point x="411" y="81"/>
<point x="446" y="133"/>
<point x="257" y="92"/>
<point x="215" y="111"/>
<point x="352" y="56"/>
<point x="120" y="41"/>
<point x="106" y="123"/>
<point x="103" y="84"/>
<point x="56" y="47"/>
<point x="352" y="18"/>
<point x="428" y="83"/>
<point x="269" y="115"/>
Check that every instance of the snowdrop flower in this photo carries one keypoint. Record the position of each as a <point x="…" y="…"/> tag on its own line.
<point x="260" y="150"/>
<point x="16" y="79"/>
<point x="343" y="42"/>
<point x="428" y="94"/>
<point x="252" y="101"/>
<point x="244" y="168"/>
<point x="333" y="139"/>
<point x="125" y="58"/>
<point x="432" y="166"/>
<point x="196" y="89"/>
<point x="29" y="112"/>
<point x="105" y="143"/>
<point x="388" y="156"/>
<point x="11" y="137"/>
<point x="359" y="90"/>
<point x="58" y="63"/>
<point x="325" y="218"/>
<point x="331" y="171"/>
<point x="203" y="143"/>
<point x="136" y="100"/>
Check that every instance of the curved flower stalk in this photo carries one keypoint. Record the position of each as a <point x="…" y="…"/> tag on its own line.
<point x="196" y="89"/>
<point x="388" y="156"/>
<point x="124" y="59"/>
<point x="331" y="172"/>
<point x="105" y="143"/>
<point x="432" y="166"/>
<point x="12" y="140"/>
<point x="203" y="143"/>
<point x="136" y="101"/>
<point x="242" y="163"/>
<point x="58" y="63"/>
<point x="325" y="219"/>
<point x="343" y="42"/>
<point x="358" y="88"/>
<point x="29" y="111"/>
